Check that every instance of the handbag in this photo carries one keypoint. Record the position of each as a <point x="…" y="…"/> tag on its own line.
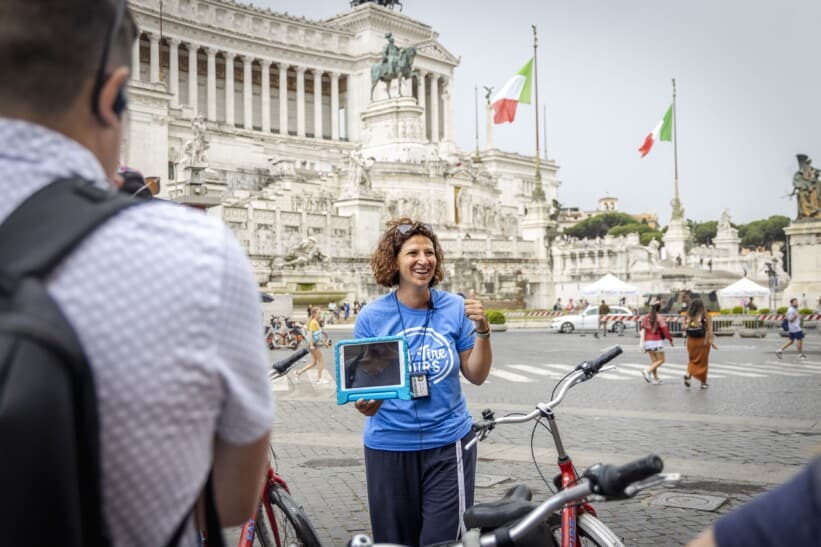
<point x="316" y="337"/>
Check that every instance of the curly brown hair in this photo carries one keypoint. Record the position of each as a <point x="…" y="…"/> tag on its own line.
<point x="383" y="259"/>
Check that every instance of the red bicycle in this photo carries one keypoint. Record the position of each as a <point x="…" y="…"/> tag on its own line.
<point x="576" y="523"/>
<point x="279" y="521"/>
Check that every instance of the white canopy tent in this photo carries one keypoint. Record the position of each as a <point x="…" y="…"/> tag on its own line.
<point x="610" y="285"/>
<point x="744" y="288"/>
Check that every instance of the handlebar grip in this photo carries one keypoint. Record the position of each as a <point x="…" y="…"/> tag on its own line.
<point x="611" y="481"/>
<point x="606" y="357"/>
<point x="283" y="365"/>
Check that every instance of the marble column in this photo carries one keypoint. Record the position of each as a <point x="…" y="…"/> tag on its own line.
<point x="421" y="100"/>
<point x="283" y="98"/>
<point x="135" y="60"/>
<point x="434" y="108"/>
<point x="266" y="94"/>
<point x="229" y="89"/>
<point x="335" y="106"/>
<point x="447" y="102"/>
<point x="212" y="83"/>
<point x="247" y="90"/>
<point x="300" y="101"/>
<point x="192" y="76"/>
<point x="154" y="70"/>
<point x="174" y="70"/>
<point x="317" y="103"/>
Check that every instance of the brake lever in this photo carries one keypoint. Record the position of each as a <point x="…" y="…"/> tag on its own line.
<point x="669" y="480"/>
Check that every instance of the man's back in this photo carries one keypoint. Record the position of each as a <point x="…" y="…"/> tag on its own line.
<point x="163" y="302"/>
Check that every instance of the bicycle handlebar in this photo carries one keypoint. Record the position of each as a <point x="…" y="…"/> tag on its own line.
<point x="611" y="481"/>
<point x="281" y="367"/>
<point x="583" y="371"/>
<point x="596" y="364"/>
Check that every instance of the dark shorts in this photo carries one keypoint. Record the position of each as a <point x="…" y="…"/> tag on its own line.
<point x="797" y="335"/>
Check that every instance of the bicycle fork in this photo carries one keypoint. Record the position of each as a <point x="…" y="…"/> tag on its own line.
<point x="568" y="478"/>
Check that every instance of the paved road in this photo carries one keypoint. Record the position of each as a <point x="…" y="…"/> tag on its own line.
<point x="759" y="421"/>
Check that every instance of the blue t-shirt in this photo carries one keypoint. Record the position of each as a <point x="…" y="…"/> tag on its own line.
<point x="790" y="515"/>
<point x="433" y="421"/>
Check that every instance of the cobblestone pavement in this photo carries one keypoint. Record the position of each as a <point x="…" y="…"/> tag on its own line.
<point x="724" y="444"/>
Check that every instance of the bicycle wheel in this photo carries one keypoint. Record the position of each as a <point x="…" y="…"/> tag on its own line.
<point x="290" y="526"/>
<point x="592" y="532"/>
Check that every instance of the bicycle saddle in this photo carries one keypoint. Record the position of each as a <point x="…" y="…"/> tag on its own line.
<point x="514" y="505"/>
<point x="490" y="515"/>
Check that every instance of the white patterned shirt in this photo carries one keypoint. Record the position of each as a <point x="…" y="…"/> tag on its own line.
<point x="165" y="305"/>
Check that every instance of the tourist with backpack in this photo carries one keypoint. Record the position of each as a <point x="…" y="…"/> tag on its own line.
<point x="792" y="324"/>
<point x="110" y="438"/>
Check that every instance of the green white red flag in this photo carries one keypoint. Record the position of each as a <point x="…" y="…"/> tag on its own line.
<point x="663" y="131"/>
<point x="516" y="90"/>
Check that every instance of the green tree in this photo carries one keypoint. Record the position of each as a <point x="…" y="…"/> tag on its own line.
<point x="647" y="237"/>
<point x="599" y="225"/>
<point x="764" y="232"/>
<point x="704" y="232"/>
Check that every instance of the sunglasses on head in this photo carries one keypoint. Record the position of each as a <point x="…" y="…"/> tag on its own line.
<point x="405" y="229"/>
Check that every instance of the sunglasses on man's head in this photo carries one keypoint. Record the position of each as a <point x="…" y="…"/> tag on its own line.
<point x="405" y="229"/>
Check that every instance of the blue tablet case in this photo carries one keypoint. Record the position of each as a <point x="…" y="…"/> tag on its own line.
<point x="400" y="390"/>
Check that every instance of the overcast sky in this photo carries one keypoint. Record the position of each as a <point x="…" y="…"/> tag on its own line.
<point x="748" y="77"/>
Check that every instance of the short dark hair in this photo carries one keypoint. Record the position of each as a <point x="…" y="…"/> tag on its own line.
<point x="383" y="259"/>
<point x="50" y="48"/>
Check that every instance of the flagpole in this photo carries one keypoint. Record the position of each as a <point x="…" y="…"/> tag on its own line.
<point x="538" y="193"/>
<point x="544" y="131"/>
<point x="677" y="212"/>
<point x="476" y="118"/>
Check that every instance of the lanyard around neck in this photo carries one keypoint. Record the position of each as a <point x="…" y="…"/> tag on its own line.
<point x="428" y="314"/>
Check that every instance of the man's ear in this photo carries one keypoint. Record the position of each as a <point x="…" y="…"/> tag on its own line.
<point x="112" y="97"/>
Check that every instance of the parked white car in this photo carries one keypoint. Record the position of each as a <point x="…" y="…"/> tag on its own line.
<point x="588" y="320"/>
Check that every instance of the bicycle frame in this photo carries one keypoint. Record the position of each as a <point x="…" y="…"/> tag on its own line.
<point x="570" y="511"/>
<point x="248" y="533"/>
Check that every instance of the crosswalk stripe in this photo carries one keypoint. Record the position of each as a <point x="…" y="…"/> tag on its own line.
<point x="535" y="370"/>
<point x="510" y="376"/>
<point x="753" y="368"/>
<point x="797" y="368"/>
<point x="668" y="370"/>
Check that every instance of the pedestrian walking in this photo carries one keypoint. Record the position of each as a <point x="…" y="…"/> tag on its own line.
<point x="653" y="333"/>
<point x="420" y="477"/>
<point x="558" y="305"/>
<point x="699" y="331"/>
<point x="795" y="330"/>
<point x="570" y="306"/>
<point x="314" y="345"/>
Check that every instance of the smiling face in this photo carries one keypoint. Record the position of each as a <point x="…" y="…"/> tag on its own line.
<point x="416" y="262"/>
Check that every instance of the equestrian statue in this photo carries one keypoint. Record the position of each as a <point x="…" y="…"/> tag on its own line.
<point x="396" y="63"/>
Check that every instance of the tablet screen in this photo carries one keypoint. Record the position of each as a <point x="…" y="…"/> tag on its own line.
<point x="373" y="364"/>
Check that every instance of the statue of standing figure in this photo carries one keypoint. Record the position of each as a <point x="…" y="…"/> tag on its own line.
<point x="194" y="149"/>
<point x="806" y="185"/>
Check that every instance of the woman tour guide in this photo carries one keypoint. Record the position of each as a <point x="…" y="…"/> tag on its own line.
<point x="420" y="478"/>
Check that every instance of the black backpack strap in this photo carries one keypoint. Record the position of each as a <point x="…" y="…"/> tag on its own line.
<point x="213" y="529"/>
<point x="50" y="223"/>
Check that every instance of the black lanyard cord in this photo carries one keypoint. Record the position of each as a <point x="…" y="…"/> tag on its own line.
<point x="428" y="314"/>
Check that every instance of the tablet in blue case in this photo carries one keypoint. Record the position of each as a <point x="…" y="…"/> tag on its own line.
<point x="372" y="368"/>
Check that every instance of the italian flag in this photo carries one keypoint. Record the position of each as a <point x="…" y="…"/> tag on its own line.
<point x="663" y="131"/>
<point x="515" y="91"/>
